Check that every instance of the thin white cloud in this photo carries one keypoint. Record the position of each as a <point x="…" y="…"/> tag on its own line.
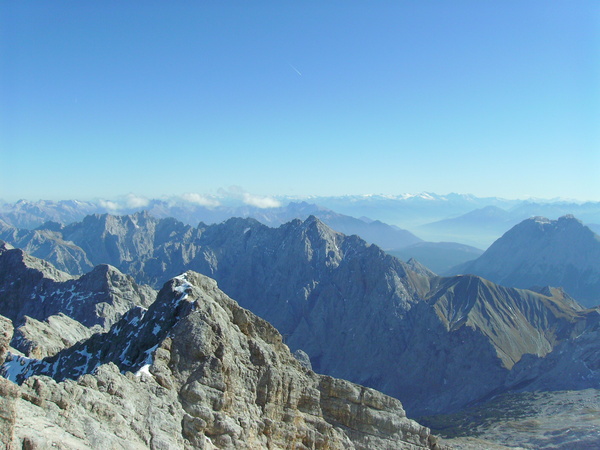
<point x="199" y="199"/>
<point x="109" y="205"/>
<point x="295" y="70"/>
<point x="136" y="201"/>
<point x="260" y="201"/>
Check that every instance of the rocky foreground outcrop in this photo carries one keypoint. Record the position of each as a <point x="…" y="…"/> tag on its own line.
<point x="193" y="371"/>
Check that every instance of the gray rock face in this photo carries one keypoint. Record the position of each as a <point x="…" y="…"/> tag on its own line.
<point x="100" y="297"/>
<point x="104" y="410"/>
<point x="541" y="252"/>
<point x="574" y="363"/>
<point x="208" y="374"/>
<point x="6" y="332"/>
<point x="49" y="245"/>
<point x="303" y="359"/>
<point x="9" y="392"/>
<point x="39" y="339"/>
<point x="419" y="268"/>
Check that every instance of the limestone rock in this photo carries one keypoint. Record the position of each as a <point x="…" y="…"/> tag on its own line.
<point x="9" y="395"/>
<point x="6" y="333"/>
<point x="303" y="359"/>
<point x="106" y="410"/>
<point x="207" y="373"/>
<point x="39" y="339"/>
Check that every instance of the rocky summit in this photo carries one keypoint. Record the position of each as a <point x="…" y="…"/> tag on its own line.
<point x="194" y="370"/>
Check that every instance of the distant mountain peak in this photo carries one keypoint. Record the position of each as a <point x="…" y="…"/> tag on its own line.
<point x="569" y="217"/>
<point x="312" y="219"/>
<point x="539" y="251"/>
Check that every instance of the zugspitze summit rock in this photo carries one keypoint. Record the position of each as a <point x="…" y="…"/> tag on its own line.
<point x="198" y="371"/>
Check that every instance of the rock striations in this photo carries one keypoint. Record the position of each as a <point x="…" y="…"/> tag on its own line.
<point x="194" y="370"/>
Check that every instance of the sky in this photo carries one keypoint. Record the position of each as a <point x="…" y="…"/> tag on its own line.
<point x="495" y="98"/>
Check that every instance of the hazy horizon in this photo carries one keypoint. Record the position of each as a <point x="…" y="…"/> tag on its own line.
<point x="311" y="99"/>
<point x="239" y="196"/>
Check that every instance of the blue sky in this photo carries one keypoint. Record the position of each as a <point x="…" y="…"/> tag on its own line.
<point x="498" y="98"/>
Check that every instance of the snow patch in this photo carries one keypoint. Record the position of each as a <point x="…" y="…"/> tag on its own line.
<point x="82" y="369"/>
<point x="124" y="353"/>
<point x="145" y="369"/>
<point x="16" y="365"/>
<point x="135" y="321"/>
<point x="182" y="288"/>
<point x="540" y="219"/>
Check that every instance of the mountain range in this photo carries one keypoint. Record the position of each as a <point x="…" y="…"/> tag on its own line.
<point x="25" y="215"/>
<point x="461" y="218"/>
<point x="479" y="227"/>
<point x="437" y="344"/>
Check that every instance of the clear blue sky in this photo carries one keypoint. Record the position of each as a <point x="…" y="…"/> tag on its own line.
<point x="279" y="97"/>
